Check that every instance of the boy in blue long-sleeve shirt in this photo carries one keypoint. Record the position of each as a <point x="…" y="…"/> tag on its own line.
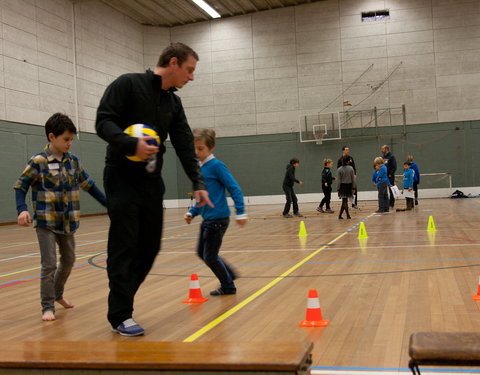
<point x="380" y="179"/>
<point x="216" y="219"/>
<point x="416" y="176"/>
<point x="408" y="178"/>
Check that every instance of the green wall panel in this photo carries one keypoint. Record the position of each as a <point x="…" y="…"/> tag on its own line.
<point x="258" y="162"/>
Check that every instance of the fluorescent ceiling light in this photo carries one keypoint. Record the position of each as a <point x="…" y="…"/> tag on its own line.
<point x="207" y="8"/>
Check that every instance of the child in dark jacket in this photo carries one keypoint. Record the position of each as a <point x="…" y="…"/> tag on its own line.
<point x="327" y="180"/>
<point x="288" y="182"/>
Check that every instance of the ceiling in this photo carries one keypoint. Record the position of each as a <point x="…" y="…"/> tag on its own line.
<point x="170" y="13"/>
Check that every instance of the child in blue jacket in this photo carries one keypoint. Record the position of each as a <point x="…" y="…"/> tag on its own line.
<point x="408" y="177"/>
<point x="216" y="219"/>
<point x="380" y="180"/>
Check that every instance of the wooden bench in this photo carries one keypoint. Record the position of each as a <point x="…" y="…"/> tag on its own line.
<point x="140" y="357"/>
<point x="444" y="349"/>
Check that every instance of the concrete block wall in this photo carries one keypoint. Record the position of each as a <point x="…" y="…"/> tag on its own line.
<point x="257" y="73"/>
<point x="39" y="71"/>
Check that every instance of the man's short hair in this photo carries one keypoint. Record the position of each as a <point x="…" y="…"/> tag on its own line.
<point x="59" y="123"/>
<point x="179" y="50"/>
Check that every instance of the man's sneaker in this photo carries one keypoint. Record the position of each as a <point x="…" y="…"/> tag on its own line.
<point x="298" y="214"/>
<point x="129" y="328"/>
<point x="320" y="209"/>
<point x="329" y="211"/>
<point x="287" y="215"/>
<point x="221" y="292"/>
<point x="355" y="206"/>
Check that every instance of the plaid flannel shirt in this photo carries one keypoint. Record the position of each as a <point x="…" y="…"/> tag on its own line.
<point x="55" y="193"/>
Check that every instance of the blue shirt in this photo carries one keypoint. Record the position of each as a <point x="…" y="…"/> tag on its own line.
<point x="380" y="176"/>
<point x="217" y="177"/>
<point x="416" y="176"/>
<point x="408" y="178"/>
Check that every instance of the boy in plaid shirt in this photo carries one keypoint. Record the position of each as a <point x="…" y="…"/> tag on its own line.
<point x="55" y="176"/>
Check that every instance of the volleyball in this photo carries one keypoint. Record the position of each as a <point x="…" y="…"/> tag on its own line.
<point x="142" y="130"/>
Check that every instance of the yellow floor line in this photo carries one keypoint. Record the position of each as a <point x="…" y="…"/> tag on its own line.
<point x="259" y="292"/>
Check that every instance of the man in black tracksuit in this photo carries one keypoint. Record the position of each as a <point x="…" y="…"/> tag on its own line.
<point x="391" y="164"/>
<point x="287" y="186"/>
<point x="134" y="192"/>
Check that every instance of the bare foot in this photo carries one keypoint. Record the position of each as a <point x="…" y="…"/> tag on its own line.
<point x="65" y="303"/>
<point x="48" y="316"/>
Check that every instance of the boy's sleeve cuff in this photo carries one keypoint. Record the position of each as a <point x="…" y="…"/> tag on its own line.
<point x="241" y="217"/>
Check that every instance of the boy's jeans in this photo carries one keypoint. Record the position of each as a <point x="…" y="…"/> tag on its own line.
<point x="383" y="202"/>
<point x="53" y="279"/>
<point x="209" y="242"/>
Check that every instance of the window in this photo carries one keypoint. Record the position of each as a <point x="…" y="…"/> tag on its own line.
<point x="376" y="15"/>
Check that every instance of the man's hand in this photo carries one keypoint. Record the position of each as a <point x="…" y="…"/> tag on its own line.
<point x="300" y="182"/>
<point x="144" y="151"/>
<point x="201" y="197"/>
<point x="24" y="219"/>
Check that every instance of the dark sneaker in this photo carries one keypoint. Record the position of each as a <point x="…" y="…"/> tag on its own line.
<point x="320" y="209"/>
<point x="221" y="292"/>
<point x="329" y="211"/>
<point x="298" y="214"/>
<point x="129" y="328"/>
<point x="287" y="215"/>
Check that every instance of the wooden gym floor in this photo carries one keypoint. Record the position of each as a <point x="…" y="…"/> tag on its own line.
<point x="375" y="292"/>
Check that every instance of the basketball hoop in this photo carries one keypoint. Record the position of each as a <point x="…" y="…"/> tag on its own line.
<point x="318" y="138"/>
<point x="319" y="131"/>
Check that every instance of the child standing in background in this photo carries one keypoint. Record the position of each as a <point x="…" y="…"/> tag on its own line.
<point x="327" y="180"/>
<point x="288" y="181"/>
<point x="346" y="186"/>
<point x="55" y="176"/>
<point x="380" y="180"/>
<point x="408" y="175"/>
<point x="215" y="219"/>
<point x="416" y="176"/>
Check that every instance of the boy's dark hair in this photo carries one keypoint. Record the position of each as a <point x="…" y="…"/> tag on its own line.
<point x="294" y="161"/>
<point x="344" y="147"/>
<point x="407" y="163"/>
<point x="206" y="135"/>
<point x="59" y="123"/>
<point x="179" y="50"/>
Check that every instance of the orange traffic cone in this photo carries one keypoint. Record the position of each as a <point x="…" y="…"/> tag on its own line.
<point x="195" y="295"/>
<point x="477" y="296"/>
<point x="314" y="312"/>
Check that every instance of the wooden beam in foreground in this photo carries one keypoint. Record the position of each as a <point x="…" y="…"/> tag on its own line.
<point x="95" y="357"/>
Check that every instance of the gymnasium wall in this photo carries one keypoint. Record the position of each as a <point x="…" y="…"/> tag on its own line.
<point x="258" y="162"/>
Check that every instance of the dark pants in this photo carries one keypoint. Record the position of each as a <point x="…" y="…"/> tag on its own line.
<point x="209" y="242"/>
<point x="392" y="197"/>
<point x="410" y="204"/>
<point x="415" y="189"/>
<point x="344" y="208"/>
<point x="383" y="202"/>
<point x="327" y="192"/>
<point x="135" y="208"/>
<point x="291" y="198"/>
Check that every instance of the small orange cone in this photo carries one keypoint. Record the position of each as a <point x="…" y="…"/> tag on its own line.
<point x="477" y="296"/>
<point x="195" y="295"/>
<point x="314" y="312"/>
